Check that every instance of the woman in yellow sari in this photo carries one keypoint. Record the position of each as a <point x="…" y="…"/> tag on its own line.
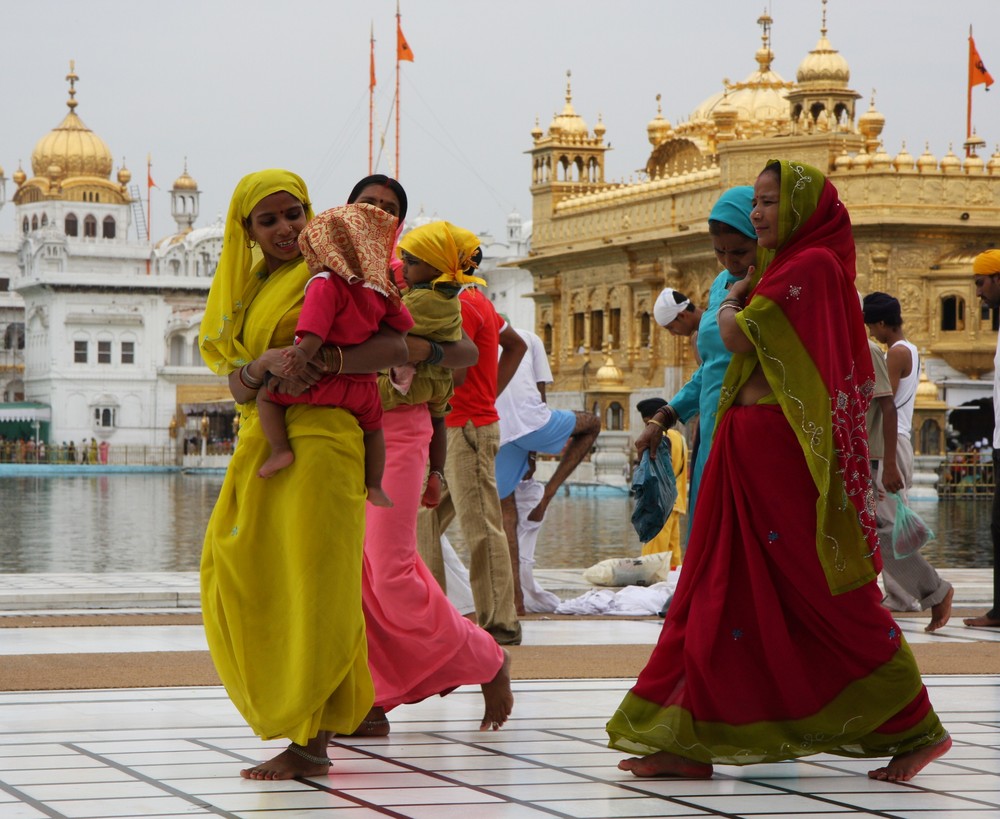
<point x="282" y="557"/>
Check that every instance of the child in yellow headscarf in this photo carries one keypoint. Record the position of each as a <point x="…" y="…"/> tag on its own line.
<point x="433" y="280"/>
<point x="349" y="295"/>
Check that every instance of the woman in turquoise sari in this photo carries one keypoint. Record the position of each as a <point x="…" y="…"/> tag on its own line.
<point x="776" y="644"/>
<point x="282" y="557"/>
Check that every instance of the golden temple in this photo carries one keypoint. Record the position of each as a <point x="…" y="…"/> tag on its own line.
<point x="603" y="250"/>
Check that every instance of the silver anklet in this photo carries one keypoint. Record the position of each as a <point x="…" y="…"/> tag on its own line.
<point x="308" y="757"/>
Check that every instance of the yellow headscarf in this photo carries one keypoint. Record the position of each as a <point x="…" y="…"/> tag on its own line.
<point x="986" y="263"/>
<point x="237" y="277"/>
<point x="445" y="247"/>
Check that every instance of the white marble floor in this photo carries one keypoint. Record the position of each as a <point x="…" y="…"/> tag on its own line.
<point x="172" y="752"/>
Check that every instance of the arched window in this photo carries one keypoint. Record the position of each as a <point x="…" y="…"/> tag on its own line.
<point x="614" y="418"/>
<point x="34" y="222"/>
<point x="177" y="349"/>
<point x="952" y="313"/>
<point x="109" y="227"/>
<point x="930" y="438"/>
<point x="547" y="338"/>
<point x="90" y="227"/>
<point x="72" y="226"/>
<point x="644" y="330"/>
<point x="25" y="225"/>
<point x="45" y="219"/>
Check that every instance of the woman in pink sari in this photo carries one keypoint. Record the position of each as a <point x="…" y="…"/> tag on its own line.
<point x="419" y="644"/>
<point x="776" y="644"/>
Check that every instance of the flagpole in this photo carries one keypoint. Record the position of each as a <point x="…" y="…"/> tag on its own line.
<point x="149" y="206"/>
<point x="968" y="107"/>
<point x="371" y="97"/>
<point x="398" y="29"/>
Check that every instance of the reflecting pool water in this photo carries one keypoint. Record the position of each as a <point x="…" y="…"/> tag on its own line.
<point x="138" y="522"/>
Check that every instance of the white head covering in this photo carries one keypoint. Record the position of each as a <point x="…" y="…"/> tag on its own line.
<point x="669" y="305"/>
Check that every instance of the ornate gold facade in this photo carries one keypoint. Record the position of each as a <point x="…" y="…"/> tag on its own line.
<point x="602" y="251"/>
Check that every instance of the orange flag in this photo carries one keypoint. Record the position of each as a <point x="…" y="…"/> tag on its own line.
<point x="371" y="67"/>
<point x="403" y="51"/>
<point x="978" y="75"/>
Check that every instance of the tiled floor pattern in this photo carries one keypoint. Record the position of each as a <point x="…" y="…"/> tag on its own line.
<point x="176" y="752"/>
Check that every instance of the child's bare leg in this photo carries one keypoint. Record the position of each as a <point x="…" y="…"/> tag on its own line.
<point x="272" y="423"/>
<point x="375" y="467"/>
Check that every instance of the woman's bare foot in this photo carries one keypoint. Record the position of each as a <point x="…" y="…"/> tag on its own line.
<point x="277" y="462"/>
<point x="903" y="767"/>
<point x="499" y="698"/>
<point x="983" y="621"/>
<point x="294" y="762"/>
<point x="376" y="497"/>
<point x="941" y="613"/>
<point x="664" y="763"/>
<point x="374" y="724"/>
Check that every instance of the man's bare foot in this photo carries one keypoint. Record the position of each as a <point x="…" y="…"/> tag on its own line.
<point x="903" y="767"/>
<point x="982" y="621"/>
<point x="375" y="724"/>
<point x="537" y="515"/>
<point x="499" y="698"/>
<point x="664" y="763"/>
<point x="277" y="462"/>
<point x="941" y="613"/>
<point x="294" y="762"/>
<point x="376" y="497"/>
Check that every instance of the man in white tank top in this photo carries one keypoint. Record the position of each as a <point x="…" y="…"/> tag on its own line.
<point x="986" y="269"/>
<point x="911" y="584"/>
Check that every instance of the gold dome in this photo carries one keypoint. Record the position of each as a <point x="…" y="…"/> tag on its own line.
<point x="881" y="161"/>
<point x="608" y="374"/>
<point x="843" y="160"/>
<point x="903" y="160"/>
<point x="950" y="163"/>
<point x="185" y="182"/>
<point x="993" y="166"/>
<point x="124" y="175"/>
<point x="658" y="128"/>
<point x="72" y="146"/>
<point x="824" y="65"/>
<point x="871" y="122"/>
<point x="759" y="101"/>
<point x="926" y="160"/>
<point x="536" y="132"/>
<point x="568" y="123"/>
<point x="19" y="175"/>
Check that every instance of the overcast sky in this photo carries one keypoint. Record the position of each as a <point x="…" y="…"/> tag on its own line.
<point x="238" y="85"/>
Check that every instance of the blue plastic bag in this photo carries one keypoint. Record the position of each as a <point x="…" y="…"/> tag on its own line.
<point x="655" y="489"/>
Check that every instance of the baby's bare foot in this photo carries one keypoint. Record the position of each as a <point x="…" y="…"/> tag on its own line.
<point x="277" y="462"/>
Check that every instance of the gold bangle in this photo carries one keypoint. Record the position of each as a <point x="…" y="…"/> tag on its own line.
<point x="340" y="369"/>
<point x="729" y="305"/>
<point x="656" y="423"/>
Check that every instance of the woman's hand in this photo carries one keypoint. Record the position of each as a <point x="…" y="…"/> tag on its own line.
<point x="653" y="432"/>
<point x="740" y="289"/>
<point x="455" y="354"/>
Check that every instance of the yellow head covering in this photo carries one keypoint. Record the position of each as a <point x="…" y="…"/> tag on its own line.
<point x="445" y="247"/>
<point x="986" y="263"/>
<point x="236" y="279"/>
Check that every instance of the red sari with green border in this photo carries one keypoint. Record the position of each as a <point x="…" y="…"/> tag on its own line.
<point x="776" y="644"/>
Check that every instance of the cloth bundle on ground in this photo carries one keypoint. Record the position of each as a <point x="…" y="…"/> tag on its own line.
<point x="630" y="571"/>
<point x="632" y="600"/>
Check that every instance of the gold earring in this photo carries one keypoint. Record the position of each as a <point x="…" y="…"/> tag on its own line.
<point x="250" y="243"/>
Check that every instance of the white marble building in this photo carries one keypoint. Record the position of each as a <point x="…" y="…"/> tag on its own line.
<point x="98" y="323"/>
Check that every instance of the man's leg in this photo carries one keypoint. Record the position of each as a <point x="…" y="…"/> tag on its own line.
<point x="992" y="617"/>
<point x="581" y="441"/>
<point x="508" y="506"/>
<point x="431" y="524"/>
<point x="473" y="489"/>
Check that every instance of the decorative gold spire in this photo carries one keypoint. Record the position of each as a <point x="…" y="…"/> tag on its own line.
<point x="72" y="78"/>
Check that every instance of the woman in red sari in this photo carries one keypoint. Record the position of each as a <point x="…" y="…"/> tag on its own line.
<point x="776" y="644"/>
